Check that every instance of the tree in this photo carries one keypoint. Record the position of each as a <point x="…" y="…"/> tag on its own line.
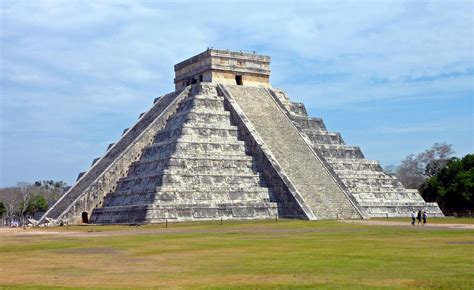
<point x="11" y="198"/>
<point x="26" y="195"/>
<point x="452" y="186"/>
<point x="50" y="189"/>
<point x="415" y="169"/>
<point x="37" y="203"/>
<point x="434" y="159"/>
<point x="25" y="199"/>
<point x="409" y="172"/>
<point x="2" y="209"/>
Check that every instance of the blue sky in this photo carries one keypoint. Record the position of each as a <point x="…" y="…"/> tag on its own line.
<point x="393" y="77"/>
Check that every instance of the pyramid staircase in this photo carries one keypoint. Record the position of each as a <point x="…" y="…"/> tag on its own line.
<point x="306" y="176"/>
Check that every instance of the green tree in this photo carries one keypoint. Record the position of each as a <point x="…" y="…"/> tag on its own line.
<point x="453" y="186"/>
<point x="2" y="209"/>
<point x="37" y="203"/>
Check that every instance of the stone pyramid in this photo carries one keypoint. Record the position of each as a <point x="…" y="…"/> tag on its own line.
<point x="225" y="145"/>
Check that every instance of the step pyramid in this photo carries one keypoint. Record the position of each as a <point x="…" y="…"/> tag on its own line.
<point x="226" y="145"/>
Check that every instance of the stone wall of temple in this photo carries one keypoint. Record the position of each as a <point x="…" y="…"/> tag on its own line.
<point x="214" y="65"/>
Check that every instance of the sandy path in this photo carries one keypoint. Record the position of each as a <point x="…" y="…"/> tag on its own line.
<point x="96" y="231"/>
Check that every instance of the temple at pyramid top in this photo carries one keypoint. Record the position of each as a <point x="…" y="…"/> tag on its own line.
<point x="223" y="66"/>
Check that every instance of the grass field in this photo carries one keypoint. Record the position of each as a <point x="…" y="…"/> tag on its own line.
<point x="256" y="254"/>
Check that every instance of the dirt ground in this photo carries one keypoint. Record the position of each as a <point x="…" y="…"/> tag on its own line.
<point x="407" y="224"/>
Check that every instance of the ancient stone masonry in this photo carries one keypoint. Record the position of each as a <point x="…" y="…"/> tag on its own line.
<point x="375" y="192"/>
<point x="225" y="145"/>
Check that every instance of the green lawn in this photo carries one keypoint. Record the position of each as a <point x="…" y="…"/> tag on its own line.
<point x="256" y="254"/>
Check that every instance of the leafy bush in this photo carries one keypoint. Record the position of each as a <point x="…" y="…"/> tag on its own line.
<point x="453" y="186"/>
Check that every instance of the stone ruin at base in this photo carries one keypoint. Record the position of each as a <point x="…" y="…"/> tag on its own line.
<point x="226" y="145"/>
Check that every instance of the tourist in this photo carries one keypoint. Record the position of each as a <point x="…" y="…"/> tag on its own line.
<point x="413" y="216"/>
<point x="418" y="217"/>
<point x="424" y="217"/>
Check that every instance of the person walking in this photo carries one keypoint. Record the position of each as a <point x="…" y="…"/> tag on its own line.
<point x="413" y="216"/>
<point x="418" y="217"/>
<point x="424" y="216"/>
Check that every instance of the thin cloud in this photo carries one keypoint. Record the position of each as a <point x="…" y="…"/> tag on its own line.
<point x="88" y="68"/>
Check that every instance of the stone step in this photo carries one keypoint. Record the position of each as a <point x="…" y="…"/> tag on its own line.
<point x="179" y="198"/>
<point x="176" y="148"/>
<point x="367" y="176"/>
<point x="189" y="122"/>
<point x="350" y="174"/>
<point x="220" y="130"/>
<point x="197" y="188"/>
<point x="178" y="169"/>
<point x="339" y="151"/>
<point x="185" y="141"/>
<point x="305" y="123"/>
<point x="361" y="190"/>
<point x="165" y="177"/>
<point x="371" y="182"/>
<point x="161" y="194"/>
<point x="395" y="204"/>
<point x="155" y="154"/>
<point x="374" y="189"/>
<point x="191" y="164"/>
<point x="347" y="167"/>
<point x="401" y="210"/>
<point x="387" y="197"/>
<point x="356" y="161"/>
<point x="183" y="213"/>
<point x="201" y="116"/>
<point x="323" y="137"/>
<point x="209" y="103"/>
<point x="197" y="158"/>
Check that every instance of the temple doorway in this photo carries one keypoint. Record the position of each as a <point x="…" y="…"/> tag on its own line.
<point x="238" y="80"/>
<point x="85" y="218"/>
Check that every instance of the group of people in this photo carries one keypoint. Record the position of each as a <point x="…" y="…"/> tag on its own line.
<point x="420" y="216"/>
